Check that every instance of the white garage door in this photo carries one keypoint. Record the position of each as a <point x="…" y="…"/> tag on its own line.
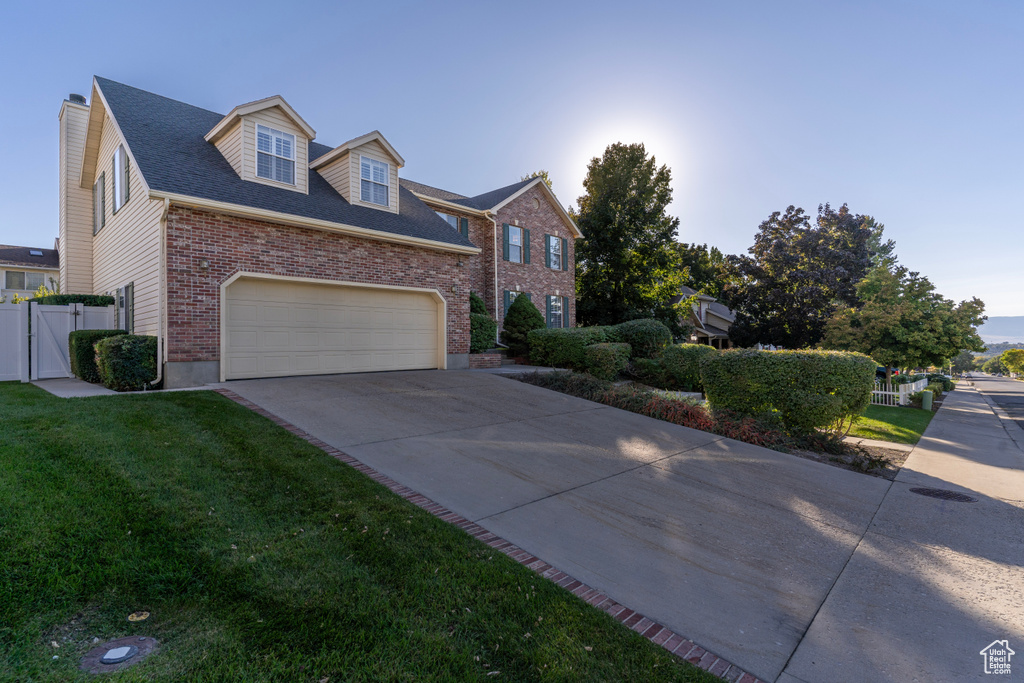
<point x="276" y="328"/>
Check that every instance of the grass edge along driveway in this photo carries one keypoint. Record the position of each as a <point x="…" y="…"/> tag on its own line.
<point x="260" y="558"/>
<point x="890" y="423"/>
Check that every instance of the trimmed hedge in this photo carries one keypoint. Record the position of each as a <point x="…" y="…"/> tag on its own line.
<point x="126" y="362"/>
<point x="564" y="347"/>
<point x="648" y="338"/>
<point x="483" y="331"/>
<point x="607" y="360"/>
<point x="936" y="378"/>
<point x="521" y="319"/>
<point x="476" y="304"/>
<point x="805" y="390"/>
<point x="82" y="349"/>
<point x="682" y="365"/>
<point x="65" y="299"/>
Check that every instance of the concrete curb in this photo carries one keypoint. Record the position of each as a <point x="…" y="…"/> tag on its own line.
<point x="1013" y="430"/>
<point x="675" y="643"/>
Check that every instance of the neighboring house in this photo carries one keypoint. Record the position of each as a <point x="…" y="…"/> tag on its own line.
<point x="24" y="269"/>
<point x="250" y="250"/>
<point x="710" y="319"/>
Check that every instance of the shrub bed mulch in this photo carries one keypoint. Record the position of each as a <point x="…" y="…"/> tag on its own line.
<point x="820" y="447"/>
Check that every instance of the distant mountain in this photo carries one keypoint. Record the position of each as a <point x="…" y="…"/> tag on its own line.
<point x="1005" y="328"/>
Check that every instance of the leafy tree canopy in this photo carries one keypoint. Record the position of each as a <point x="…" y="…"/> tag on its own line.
<point x="540" y="174"/>
<point x="964" y="362"/>
<point x="903" y="322"/>
<point x="626" y="265"/>
<point x="1013" y="360"/>
<point x="797" y="275"/>
<point x="705" y="269"/>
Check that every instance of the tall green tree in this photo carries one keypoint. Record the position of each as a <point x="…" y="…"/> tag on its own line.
<point x="626" y="266"/>
<point x="963" y="362"/>
<point x="705" y="269"/>
<point x="901" y="321"/>
<point x="797" y="275"/>
<point x="1013" y="360"/>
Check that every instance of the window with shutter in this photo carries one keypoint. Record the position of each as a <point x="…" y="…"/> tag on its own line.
<point x="515" y="244"/>
<point x="120" y="173"/>
<point x="374" y="181"/>
<point x="554" y="252"/>
<point x="275" y="155"/>
<point x="99" y="205"/>
<point x="555" y="318"/>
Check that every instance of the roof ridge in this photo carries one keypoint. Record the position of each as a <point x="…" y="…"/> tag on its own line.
<point x="164" y="97"/>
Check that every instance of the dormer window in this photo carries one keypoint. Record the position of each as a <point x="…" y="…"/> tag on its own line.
<point x="374" y="179"/>
<point x="275" y="155"/>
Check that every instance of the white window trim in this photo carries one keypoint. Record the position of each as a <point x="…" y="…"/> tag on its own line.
<point x="554" y="252"/>
<point x="273" y="132"/>
<point x="386" y="184"/>
<point x="520" y="245"/>
<point x="552" y="302"/>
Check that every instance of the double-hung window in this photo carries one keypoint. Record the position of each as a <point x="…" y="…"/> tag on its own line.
<point x="557" y="252"/>
<point x="374" y="180"/>
<point x="515" y="244"/>
<point x="120" y="178"/>
<point x="460" y="224"/>
<point x="99" y="204"/>
<point x="275" y="155"/>
<point x="556" y="311"/>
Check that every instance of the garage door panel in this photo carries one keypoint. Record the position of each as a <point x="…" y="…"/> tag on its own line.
<point x="277" y="328"/>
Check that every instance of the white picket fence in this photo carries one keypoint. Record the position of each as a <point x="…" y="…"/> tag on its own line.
<point x="895" y="394"/>
<point x="43" y="352"/>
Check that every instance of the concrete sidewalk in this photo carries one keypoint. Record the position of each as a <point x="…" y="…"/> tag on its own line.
<point x="932" y="582"/>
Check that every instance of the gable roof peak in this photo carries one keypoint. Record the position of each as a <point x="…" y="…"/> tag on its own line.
<point x="225" y="124"/>
<point x="372" y="136"/>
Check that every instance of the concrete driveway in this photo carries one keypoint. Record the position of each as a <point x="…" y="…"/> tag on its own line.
<point x="731" y="545"/>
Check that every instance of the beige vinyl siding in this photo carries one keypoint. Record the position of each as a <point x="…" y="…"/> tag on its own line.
<point x="230" y="145"/>
<point x="337" y="173"/>
<point x="127" y="248"/>
<point x="275" y="118"/>
<point x="75" y="204"/>
<point x="374" y="150"/>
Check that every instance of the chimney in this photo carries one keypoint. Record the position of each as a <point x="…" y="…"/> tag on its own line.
<point x="75" y="240"/>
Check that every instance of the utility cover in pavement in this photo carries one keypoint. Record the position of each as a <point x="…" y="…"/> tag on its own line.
<point x="943" y="494"/>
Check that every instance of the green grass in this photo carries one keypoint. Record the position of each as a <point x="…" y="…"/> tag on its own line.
<point x="899" y="425"/>
<point x="260" y="558"/>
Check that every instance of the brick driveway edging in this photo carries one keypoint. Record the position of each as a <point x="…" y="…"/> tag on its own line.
<point x="675" y="643"/>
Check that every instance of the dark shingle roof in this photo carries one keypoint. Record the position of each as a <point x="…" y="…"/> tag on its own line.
<point x="489" y="200"/>
<point x="167" y="140"/>
<point x="427" y="190"/>
<point x="20" y="256"/>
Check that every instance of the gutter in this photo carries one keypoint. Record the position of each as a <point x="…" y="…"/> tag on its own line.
<point x="494" y="223"/>
<point x="161" y="335"/>
<point x="314" y="223"/>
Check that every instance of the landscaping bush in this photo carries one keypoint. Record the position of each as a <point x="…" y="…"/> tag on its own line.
<point x="65" y="299"/>
<point x="126" y="362"/>
<point x="936" y="388"/>
<point x="82" y="349"/>
<point x="607" y="360"/>
<point x="476" y="304"/>
<point x="563" y="347"/>
<point x="807" y="390"/>
<point x="947" y="383"/>
<point x="483" y="331"/>
<point x="681" y="364"/>
<point x="648" y="338"/>
<point x="521" y="319"/>
<point x="576" y="384"/>
<point x="651" y="371"/>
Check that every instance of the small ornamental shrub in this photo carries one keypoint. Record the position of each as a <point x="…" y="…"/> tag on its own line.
<point x="476" y="304"/>
<point x="648" y="338"/>
<point x="806" y="390"/>
<point x="483" y="331"/>
<point x="682" y="365"/>
<point x="82" y="349"/>
<point x="606" y="361"/>
<point x="521" y="319"/>
<point x="563" y="347"/>
<point x="936" y="388"/>
<point x="65" y="299"/>
<point x="945" y="382"/>
<point x="651" y="371"/>
<point x="126" y="362"/>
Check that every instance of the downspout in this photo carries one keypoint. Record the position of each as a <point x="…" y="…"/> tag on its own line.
<point x="161" y="335"/>
<point x="494" y="222"/>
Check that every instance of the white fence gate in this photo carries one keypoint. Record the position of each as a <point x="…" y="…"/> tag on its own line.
<point x="48" y="327"/>
<point x="895" y="394"/>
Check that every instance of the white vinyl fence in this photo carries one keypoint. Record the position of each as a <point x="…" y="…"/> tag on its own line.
<point x="34" y="338"/>
<point x="895" y="394"/>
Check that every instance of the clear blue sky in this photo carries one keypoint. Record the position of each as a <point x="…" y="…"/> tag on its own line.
<point x="912" y="112"/>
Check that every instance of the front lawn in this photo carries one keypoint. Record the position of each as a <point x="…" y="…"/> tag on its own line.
<point x="260" y="558"/>
<point x="886" y="423"/>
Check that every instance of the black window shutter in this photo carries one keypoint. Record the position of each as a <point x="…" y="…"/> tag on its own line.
<point x="504" y="241"/>
<point x="547" y="250"/>
<point x="464" y="227"/>
<point x="565" y="254"/>
<point x="565" y="311"/>
<point x="103" y="200"/>
<point x="127" y="185"/>
<point x="548" y="304"/>
<point x="507" y="303"/>
<point x="526" y="245"/>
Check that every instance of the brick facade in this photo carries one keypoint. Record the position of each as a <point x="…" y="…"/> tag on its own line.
<point x="531" y="210"/>
<point x="231" y="245"/>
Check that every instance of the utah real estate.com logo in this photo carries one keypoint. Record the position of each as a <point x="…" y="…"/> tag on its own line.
<point x="997" y="657"/>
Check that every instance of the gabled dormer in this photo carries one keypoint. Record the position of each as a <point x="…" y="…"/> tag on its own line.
<point x="364" y="171"/>
<point x="266" y="142"/>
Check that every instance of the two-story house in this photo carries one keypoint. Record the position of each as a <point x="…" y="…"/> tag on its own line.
<point x="250" y="250"/>
<point x="23" y="270"/>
